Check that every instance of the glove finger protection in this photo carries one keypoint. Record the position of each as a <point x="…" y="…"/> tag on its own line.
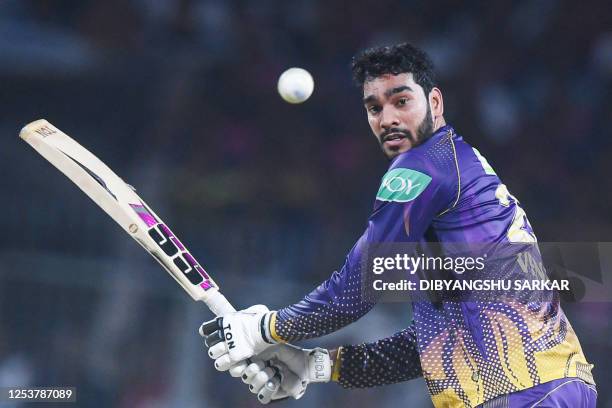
<point x="251" y="371"/>
<point x="297" y="368"/>
<point x="237" y="336"/>
<point x="237" y="369"/>
<point x="272" y="390"/>
<point x="268" y="385"/>
<point x="261" y="378"/>
<point x="217" y="351"/>
<point x="268" y="393"/>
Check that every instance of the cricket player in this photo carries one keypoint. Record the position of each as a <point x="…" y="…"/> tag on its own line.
<point x="438" y="189"/>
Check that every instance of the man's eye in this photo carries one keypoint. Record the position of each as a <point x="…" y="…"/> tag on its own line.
<point x="402" y="101"/>
<point x="373" y="109"/>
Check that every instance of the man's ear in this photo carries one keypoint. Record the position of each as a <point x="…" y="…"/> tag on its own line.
<point x="436" y="102"/>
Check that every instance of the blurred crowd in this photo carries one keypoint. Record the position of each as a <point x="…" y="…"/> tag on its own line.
<point x="179" y="97"/>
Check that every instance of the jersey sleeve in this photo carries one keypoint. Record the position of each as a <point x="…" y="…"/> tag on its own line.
<point x="386" y="361"/>
<point x="410" y="195"/>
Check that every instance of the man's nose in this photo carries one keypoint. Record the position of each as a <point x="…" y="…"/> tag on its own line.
<point x="388" y="119"/>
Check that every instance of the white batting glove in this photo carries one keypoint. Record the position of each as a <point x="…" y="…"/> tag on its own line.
<point x="295" y="366"/>
<point x="237" y="336"/>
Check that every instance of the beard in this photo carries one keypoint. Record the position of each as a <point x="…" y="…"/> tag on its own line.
<point x="424" y="131"/>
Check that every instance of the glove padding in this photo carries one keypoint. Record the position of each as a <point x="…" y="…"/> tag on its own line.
<point x="272" y="381"/>
<point x="237" y="336"/>
<point x="296" y="368"/>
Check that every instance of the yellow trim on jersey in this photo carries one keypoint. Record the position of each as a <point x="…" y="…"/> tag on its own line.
<point x="336" y="367"/>
<point x="450" y="136"/>
<point x="272" y="328"/>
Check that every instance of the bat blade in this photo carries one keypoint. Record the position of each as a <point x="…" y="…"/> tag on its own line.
<point x="122" y="204"/>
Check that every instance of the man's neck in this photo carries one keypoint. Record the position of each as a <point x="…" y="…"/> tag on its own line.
<point x="438" y="123"/>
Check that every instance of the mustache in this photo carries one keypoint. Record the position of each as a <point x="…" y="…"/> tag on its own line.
<point x="405" y="133"/>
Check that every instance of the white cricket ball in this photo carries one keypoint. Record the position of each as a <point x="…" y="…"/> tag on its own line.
<point x="295" y="85"/>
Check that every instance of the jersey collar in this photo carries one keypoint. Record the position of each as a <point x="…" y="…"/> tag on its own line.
<point x="437" y="135"/>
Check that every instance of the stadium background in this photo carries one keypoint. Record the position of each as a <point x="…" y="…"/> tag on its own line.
<point x="179" y="98"/>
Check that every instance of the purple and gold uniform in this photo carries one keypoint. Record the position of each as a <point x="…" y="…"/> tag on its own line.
<point x="468" y="352"/>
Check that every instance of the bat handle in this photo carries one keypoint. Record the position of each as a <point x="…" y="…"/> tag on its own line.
<point x="217" y="303"/>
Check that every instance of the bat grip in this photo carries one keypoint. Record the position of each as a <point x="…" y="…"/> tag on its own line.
<point x="218" y="304"/>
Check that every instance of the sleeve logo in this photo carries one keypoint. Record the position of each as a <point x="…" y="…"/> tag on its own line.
<point x="402" y="185"/>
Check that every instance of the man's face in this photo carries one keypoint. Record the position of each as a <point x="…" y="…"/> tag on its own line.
<point x="398" y="112"/>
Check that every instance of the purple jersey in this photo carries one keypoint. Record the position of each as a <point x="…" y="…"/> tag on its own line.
<point x="561" y="393"/>
<point x="443" y="191"/>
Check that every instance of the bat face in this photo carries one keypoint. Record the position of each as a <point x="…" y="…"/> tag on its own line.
<point x="120" y="202"/>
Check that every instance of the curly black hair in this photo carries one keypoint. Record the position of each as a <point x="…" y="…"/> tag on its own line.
<point x="394" y="59"/>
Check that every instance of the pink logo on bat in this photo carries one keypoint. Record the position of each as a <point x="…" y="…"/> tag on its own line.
<point x="173" y="238"/>
<point x="144" y="214"/>
<point x="174" y="248"/>
<point x="196" y="265"/>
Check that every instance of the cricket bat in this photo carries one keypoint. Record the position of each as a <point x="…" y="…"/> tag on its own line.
<point x="120" y="201"/>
